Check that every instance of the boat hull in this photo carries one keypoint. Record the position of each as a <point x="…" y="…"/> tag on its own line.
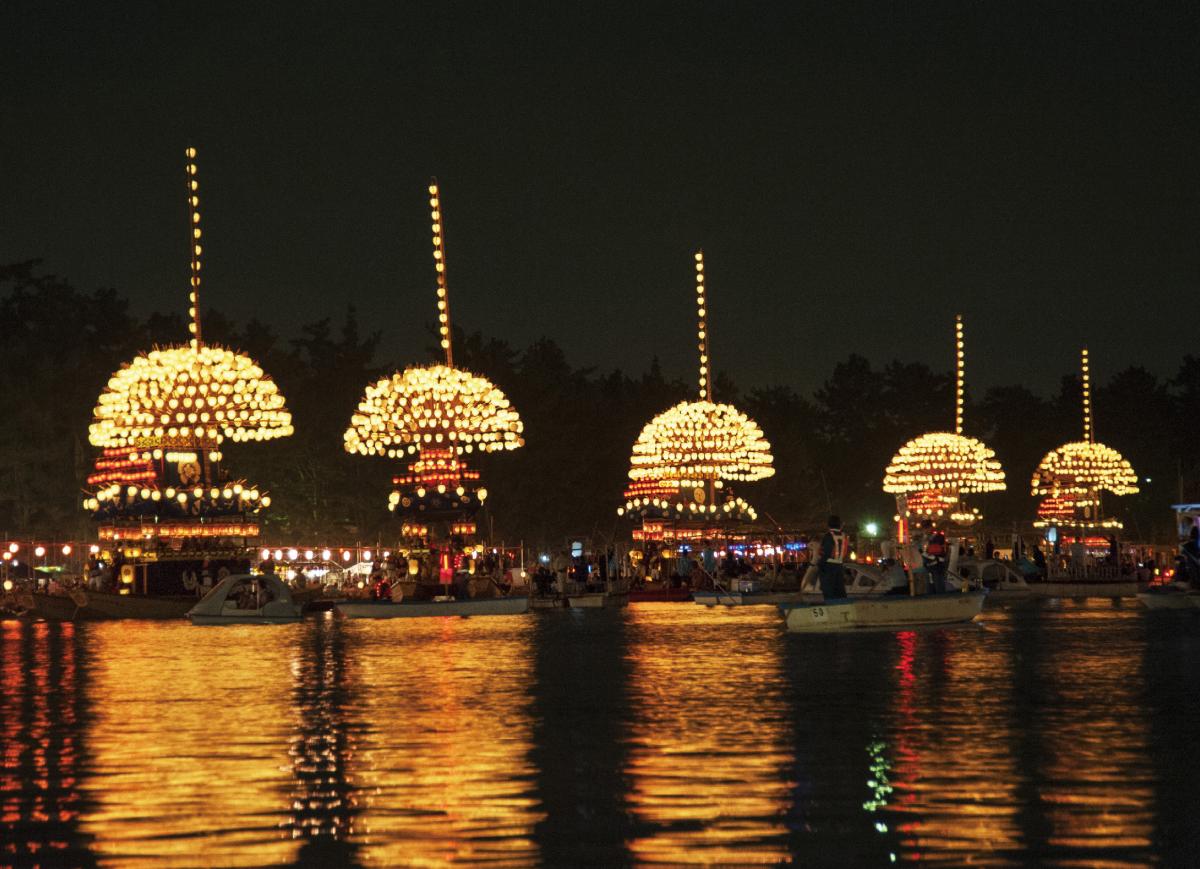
<point x="1084" y="589"/>
<point x="889" y="612"/>
<point x="660" y="595"/>
<point x="1170" y="600"/>
<point x="597" y="600"/>
<point x="737" y="598"/>
<point x="248" y="619"/>
<point x="98" y="605"/>
<point x="492" y="606"/>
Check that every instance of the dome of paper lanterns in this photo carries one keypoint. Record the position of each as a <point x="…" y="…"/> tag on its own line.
<point x="930" y="474"/>
<point x="944" y="461"/>
<point x="699" y="440"/>
<point x="189" y="395"/>
<point x="1082" y="468"/>
<point x="684" y="456"/>
<point x="436" y="406"/>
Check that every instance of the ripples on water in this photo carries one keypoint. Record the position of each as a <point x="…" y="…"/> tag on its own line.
<point x="1059" y="734"/>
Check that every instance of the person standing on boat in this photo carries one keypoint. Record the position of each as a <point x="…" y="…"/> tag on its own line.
<point x="834" y="548"/>
<point x="934" y="556"/>
<point x="709" y="559"/>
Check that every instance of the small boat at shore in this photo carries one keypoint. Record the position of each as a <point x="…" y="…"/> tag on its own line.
<point x="247" y="600"/>
<point x="888" y="612"/>
<point x="387" y="609"/>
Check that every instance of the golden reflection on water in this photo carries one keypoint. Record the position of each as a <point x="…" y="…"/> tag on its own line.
<point x="448" y="735"/>
<point x="656" y="734"/>
<point x="710" y="736"/>
<point x="189" y="742"/>
<point x="1033" y="749"/>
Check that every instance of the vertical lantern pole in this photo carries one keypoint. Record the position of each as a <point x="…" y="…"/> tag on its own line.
<point x="702" y="330"/>
<point x="705" y="380"/>
<point x="960" y="374"/>
<point x="439" y="263"/>
<point x="1089" y="432"/>
<point x="193" y="187"/>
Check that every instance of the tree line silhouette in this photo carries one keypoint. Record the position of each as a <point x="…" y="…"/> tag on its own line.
<point x="60" y="345"/>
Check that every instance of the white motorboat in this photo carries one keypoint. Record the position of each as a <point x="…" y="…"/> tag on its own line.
<point x="390" y="609"/>
<point x="246" y="600"/>
<point x="1002" y="581"/>
<point x="1176" y="596"/>
<point x="884" y="612"/>
<point x="870" y="580"/>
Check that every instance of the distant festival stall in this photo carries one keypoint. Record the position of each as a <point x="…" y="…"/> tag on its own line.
<point x="684" y="459"/>
<point x="1072" y="479"/>
<point x="436" y="416"/>
<point x="930" y="474"/>
<point x="168" y="513"/>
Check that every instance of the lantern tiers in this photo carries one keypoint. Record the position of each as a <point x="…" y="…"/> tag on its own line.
<point x="1082" y="469"/>
<point x="436" y="407"/>
<point x="170" y="505"/>
<point x="188" y="396"/>
<point x="699" y="441"/>
<point x="943" y="462"/>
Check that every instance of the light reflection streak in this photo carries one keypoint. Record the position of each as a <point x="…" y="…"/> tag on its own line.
<point x="709" y="755"/>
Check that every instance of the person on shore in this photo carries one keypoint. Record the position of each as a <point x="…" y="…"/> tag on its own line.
<point x="989" y="550"/>
<point x="934" y="556"/>
<point x="832" y="555"/>
<point x="1114" y="550"/>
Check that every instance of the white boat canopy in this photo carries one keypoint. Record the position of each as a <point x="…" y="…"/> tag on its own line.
<point x="265" y="592"/>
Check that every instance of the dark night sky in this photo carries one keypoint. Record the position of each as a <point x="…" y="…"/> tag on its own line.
<point x="855" y="173"/>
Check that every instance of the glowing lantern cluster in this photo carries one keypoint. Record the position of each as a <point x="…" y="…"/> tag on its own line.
<point x="1082" y="469"/>
<point x="942" y="464"/>
<point x="932" y="472"/>
<point x="437" y="406"/>
<point x="1070" y="479"/>
<point x="162" y="416"/>
<point x="189" y="395"/>
<point x="437" y="414"/>
<point x="688" y="452"/>
<point x="697" y="441"/>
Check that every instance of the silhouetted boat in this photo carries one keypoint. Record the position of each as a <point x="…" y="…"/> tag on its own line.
<point x="888" y="612"/>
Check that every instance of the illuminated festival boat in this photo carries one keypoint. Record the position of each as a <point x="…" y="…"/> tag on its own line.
<point x="171" y="520"/>
<point x="683" y="462"/>
<point x="883" y="613"/>
<point x="436" y="417"/>
<point x="930" y="474"/>
<point x="1071" y="481"/>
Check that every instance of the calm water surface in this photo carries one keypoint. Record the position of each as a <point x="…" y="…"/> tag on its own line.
<point x="1060" y="734"/>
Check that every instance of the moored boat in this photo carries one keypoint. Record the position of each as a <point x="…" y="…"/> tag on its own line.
<point x="889" y="612"/>
<point x="1170" y="597"/>
<point x="241" y="600"/>
<point x="385" y="609"/>
<point x="99" y="605"/>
